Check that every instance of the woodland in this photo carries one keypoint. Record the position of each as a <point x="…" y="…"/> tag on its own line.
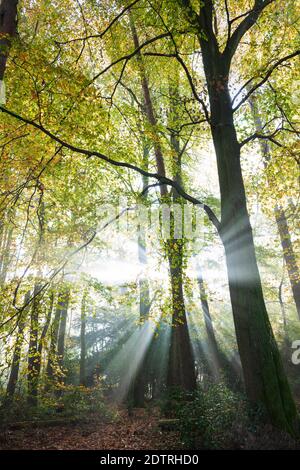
<point x="149" y="224"/>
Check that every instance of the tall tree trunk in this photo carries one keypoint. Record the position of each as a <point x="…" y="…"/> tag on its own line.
<point x="15" y="366"/>
<point x="281" y="219"/>
<point x="181" y="367"/>
<point x="82" y="372"/>
<point x="181" y="371"/>
<point x="265" y="379"/>
<point x="5" y="257"/>
<point x="41" y="342"/>
<point x="52" y="354"/>
<point x="32" y="371"/>
<point x="140" y="379"/>
<point x="221" y="364"/>
<point x="63" y="305"/>
<point x="213" y="348"/>
<point x="264" y="376"/>
<point x="289" y="254"/>
<point x="284" y="318"/>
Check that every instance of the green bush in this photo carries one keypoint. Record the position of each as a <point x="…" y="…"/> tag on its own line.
<point x="206" y="421"/>
<point x="69" y="401"/>
<point x="79" y="401"/>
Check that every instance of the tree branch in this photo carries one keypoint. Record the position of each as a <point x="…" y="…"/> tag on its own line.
<point x="129" y="56"/>
<point x="259" y="84"/>
<point x="234" y="41"/>
<point x="100" y="35"/>
<point x="90" y="153"/>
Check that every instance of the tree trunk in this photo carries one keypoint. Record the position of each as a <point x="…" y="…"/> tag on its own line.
<point x="213" y="348"/>
<point x="82" y="372"/>
<point x="281" y="219"/>
<point x="181" y="368"/>
<point x="33" y="359"/>
<point x="181" y="363"/>
<point x="289" y="254"/>
<point x="5" y="258"/>
<point x="42" y="339"/>
<point x="15" y="366"/>
<point x="52" y="354"/>
<point x="63" y="305"/>
<point x="265" y="379"/>
<point x="140" y="378"/>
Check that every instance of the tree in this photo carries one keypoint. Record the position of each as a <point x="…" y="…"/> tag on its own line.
<point x="265" y="379"/>
<point x="181" y="370"/>
<point x="289" y="254"/>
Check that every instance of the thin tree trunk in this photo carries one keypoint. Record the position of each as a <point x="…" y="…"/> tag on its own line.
<point x="15" y="366"/>
<point x="181" y="367"/>
<point x="221" y="364"/>
<point x="281" y="219"/>
<point x="42" y="339"/>
<point x="6" y="255"/>
<point x="140" y="379"/>
<point x="265" y="378"/>
<point x="213" y="347"/>
<point x="52" y="354"/>
<point x="284" y="318"/>
<point x="181" y="371"/>
<point x="32" y="371"/>
<point x="82" y="372"/>
<point x="63" y="305"/>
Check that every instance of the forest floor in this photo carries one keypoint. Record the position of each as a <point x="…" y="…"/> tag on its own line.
<point x="139" y="431"/>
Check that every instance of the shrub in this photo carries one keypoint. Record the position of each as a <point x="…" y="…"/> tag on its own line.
<point x="206" y="421"/>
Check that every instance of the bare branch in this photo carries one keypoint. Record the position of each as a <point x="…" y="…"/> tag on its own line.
<point x="257" y="135"/>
